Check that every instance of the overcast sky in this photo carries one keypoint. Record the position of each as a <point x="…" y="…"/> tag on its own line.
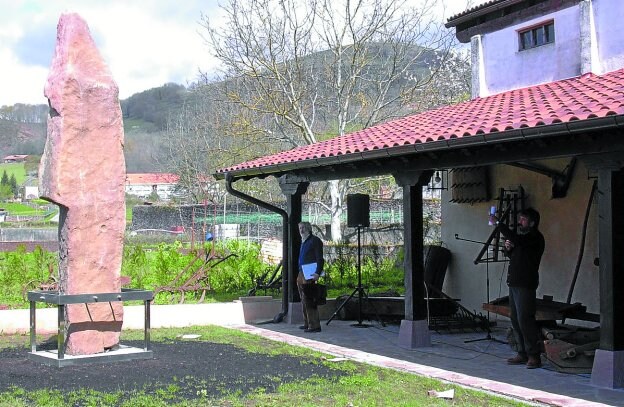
<point x="145" y="43"/>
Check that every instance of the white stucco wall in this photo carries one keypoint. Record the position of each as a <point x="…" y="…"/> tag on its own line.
<point x="164" y="191"/>
<point x="608" y="18"/>
<point x="561" y="224"/>
<point x="508" y="68"/>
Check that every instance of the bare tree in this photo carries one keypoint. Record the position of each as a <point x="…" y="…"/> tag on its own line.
<point x="314" y="69"/>
<point x="206" y="134"/>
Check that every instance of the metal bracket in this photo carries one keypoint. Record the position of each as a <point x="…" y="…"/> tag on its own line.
<point x="560" y="179"/>
<point x="59" y="358"/>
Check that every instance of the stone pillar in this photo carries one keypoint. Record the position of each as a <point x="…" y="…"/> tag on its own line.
<point x="608" y="368"/>
<point x="590" y="58"/>
<point x="414" y="331"/>
<point x="479" y="86"/>
<point x="83" y="171"/>
<point x="293" y="191"/>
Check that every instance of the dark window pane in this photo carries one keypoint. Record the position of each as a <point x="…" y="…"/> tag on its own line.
<point x="550" y="33"/>
<point x="525" y="40"/>
<point x="535" y="37"/>
<point x="539" y="36"/>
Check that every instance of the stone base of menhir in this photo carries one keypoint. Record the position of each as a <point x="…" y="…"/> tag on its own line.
<point x="123" y="353"/>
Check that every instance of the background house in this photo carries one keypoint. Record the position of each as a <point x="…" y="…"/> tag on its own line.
<point x="143" y="185"/>
<point x="15" y="158"/>
<point x="30" y="188"/>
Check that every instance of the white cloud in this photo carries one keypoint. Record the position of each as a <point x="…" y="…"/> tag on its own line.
<point x="145" y="43"/>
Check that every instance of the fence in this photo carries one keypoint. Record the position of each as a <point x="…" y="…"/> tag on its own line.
<point x="257" y="224"/>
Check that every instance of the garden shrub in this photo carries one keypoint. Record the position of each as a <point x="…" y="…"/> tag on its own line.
<point x="19" y="267"/>
<point x="150" y="266"/>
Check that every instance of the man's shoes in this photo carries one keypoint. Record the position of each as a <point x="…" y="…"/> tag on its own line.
<point x="517" y="360"/>
<point x="312" y="330"/>
<point x="534" y="362"/>
<point x="303" y="327"/>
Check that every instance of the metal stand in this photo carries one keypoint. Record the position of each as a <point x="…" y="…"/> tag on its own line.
<point x="59" y="358"/>
<point x="358" y="289"/>
<point x="489" y="336"/>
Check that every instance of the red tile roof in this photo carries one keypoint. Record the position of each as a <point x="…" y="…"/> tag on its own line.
<point x="151" y="178"/>
<point x="15" y="157"/>
<point x="494" y="117"/>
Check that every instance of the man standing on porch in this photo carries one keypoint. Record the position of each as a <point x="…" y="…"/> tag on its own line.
<point x="524" y="249"/>
<point x="310" y="270"/>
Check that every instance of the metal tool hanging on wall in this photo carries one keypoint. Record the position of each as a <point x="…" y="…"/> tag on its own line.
<point x="510" y="203"/>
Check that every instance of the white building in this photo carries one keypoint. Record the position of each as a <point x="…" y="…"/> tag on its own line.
<point x="143" y="185"/>
<point x="516" y="44"/>
<point x="543" y="129"/>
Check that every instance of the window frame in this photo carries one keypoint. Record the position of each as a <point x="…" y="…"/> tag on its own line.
<point x="532" y="33"/>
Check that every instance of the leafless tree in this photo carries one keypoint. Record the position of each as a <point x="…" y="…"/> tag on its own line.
<point x="314" y="69"/>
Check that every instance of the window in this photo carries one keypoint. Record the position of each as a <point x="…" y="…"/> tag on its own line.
<point x="538" y="35"/>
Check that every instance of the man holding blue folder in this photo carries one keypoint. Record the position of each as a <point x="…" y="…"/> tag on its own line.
<point x="310" y="270"/>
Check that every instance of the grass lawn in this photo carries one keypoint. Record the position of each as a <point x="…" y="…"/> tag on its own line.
<point x="15" y="208"/>
<point x="16" y="169"/>
<point x="296" y="376"/>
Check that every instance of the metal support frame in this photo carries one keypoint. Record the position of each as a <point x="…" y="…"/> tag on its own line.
<point x="62" y="300"/>
<point x="560" y="179"/>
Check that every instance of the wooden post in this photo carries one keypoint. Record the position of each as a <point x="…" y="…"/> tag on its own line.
<point x="414" y="331"/>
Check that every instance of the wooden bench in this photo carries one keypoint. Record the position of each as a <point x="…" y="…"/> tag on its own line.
<point x="271" y="255"/>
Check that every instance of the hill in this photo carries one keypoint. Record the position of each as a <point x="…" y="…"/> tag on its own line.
<point x="150" y="109"/>
<point x="146" y="114"/>
<point x="23" y="128"/>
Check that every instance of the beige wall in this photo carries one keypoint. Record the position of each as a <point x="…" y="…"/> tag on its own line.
<point x="561" y="224"/>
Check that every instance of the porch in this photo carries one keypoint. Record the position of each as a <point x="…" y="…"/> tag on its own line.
<point x="459" y="357"/>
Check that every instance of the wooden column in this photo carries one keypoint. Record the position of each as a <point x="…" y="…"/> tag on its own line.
<point x="608" y="368"/>
<point x="293" y="192"/>
<point x="414" y="331"/>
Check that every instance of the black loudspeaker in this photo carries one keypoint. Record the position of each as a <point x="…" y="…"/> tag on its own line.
<point x="358" y="210"/>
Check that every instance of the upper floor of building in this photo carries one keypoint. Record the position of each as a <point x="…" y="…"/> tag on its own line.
<point x="521" y="43"/>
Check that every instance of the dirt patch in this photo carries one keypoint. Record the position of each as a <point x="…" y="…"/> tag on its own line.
<point x="198" y="369"/>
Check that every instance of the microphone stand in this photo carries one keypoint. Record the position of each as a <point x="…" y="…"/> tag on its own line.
<point x="489" y="336"/>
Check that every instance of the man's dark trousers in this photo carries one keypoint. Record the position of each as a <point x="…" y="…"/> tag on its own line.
<point x="523" y="305"/>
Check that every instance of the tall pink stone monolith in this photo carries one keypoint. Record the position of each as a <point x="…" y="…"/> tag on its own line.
<point x="83" y="171"/>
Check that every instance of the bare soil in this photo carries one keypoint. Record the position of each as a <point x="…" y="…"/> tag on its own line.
<point x="198" y="369"/>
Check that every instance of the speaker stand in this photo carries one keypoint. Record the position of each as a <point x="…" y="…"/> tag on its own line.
<point x="361" y="294"/>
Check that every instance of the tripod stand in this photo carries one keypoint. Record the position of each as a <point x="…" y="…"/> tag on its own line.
<point x="359" y="290"/>
<point x="489" y="336"/>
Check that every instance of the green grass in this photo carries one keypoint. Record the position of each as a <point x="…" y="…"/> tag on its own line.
<point x="357" y="384"/>
<point x="19" y="209"/>
<point x="16" y="169"/>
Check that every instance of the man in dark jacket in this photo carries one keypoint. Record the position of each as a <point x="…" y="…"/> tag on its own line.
<point x="310" y="255"/>
<point x="524" y="249"/>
